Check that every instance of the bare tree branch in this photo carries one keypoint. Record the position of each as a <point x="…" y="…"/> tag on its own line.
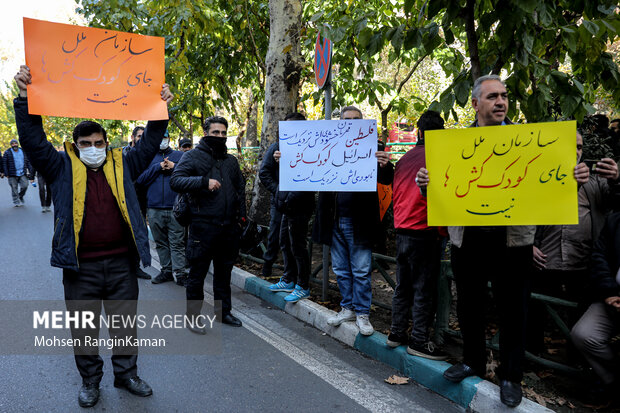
<point x="186" y="132"/>
<point x="261" y="63"/>
<point x="472" y="39"/>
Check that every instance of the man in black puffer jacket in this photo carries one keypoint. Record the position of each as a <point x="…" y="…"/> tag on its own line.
<point x="216" y="190"/>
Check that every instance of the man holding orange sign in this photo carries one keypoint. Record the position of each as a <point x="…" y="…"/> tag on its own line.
<point x="99" y="232"/>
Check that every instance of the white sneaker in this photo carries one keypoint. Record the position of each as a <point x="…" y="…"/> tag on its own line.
<point x="344" y="315"/>
<point x="363" y="323"/>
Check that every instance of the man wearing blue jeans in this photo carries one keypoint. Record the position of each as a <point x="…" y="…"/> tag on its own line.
<point x="347" y="221"/>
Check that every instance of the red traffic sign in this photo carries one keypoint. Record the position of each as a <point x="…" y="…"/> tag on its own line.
<point x="322" y="60"/>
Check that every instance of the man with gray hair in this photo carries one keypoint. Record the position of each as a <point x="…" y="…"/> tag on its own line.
<point x="501" y="254"/>
<point x="348" y="222"/>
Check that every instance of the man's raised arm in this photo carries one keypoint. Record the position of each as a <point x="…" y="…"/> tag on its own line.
<point x="41" y="153"/>
<point x="146" y="148"/>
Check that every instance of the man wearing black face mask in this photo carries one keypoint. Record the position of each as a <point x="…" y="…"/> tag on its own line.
<point x="216" y="190"/>
<point x="99" y="232"/>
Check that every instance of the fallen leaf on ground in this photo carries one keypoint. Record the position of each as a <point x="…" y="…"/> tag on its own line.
<point x="397" y="380"/>
<point x="540" y="400"/>
<point x="491" y="366"/>
<point x="560" y="401"/>
<point x="552" y="350"/>
<point x="572" y="406"/>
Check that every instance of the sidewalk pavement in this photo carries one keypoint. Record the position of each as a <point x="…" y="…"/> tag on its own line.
<point x="473" y="393"/>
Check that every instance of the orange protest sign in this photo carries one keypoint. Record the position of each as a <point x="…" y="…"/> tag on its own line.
<point x="93" y="73"/>
<point x="384" y="192"/>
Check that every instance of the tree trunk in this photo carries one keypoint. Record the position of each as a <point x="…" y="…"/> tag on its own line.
<point x="281" y="88"/>
<point x="472" y="39"/>
<point x="385" y="127"/>
<point x="251" y="135"/>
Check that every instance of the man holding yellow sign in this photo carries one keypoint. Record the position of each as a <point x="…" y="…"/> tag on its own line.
<point x="492" y="186"/>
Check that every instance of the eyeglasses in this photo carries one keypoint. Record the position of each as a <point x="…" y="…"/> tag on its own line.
<point x="88" y="144"/>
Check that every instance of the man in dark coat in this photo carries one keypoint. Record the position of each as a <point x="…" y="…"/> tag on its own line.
<point x="269" y="175"/>
<point x="17" y="168"/>
<point x="216" y="189"/>
<point x="168" y="234"/>
<point x="290" y="214"/>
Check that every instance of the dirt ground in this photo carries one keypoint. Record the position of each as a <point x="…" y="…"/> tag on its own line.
<point x="558" y="391"/>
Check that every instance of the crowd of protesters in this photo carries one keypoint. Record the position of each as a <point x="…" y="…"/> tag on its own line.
<point x="517" y="260"/>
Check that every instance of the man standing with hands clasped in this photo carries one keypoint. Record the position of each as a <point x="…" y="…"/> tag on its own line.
<point x="168" y="234"/>
<point x="502" y="254"/>
<point x="99" y="232"/>
<point x="216" y="189"/>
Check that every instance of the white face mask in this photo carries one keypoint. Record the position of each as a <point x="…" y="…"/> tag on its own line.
<point x="93" y="157"/>
<point x="164" y="144"/>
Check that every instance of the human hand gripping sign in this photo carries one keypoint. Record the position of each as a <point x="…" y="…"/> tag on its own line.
<point x="93" y="73"/>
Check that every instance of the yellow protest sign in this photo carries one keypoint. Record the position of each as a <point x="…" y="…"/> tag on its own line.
<point x="502" y="175"/>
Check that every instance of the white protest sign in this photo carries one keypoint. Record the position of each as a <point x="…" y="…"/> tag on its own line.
<point x="328" y="155"/>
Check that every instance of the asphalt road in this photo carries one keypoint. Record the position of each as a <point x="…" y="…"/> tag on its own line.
<point x="274" y="363"/>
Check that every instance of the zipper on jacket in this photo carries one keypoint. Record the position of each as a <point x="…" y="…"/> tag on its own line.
<point x="133" y="236"/>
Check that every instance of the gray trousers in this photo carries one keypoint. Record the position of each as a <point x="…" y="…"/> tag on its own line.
<point x="18" y="193"/>
<point x="592" y="336"/>
<point x="169" y="238"/>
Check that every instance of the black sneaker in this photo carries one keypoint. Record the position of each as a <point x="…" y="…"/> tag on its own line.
<point x="426" y="350"/>
<point x="395" y="340"/>
<point x="182" y="280"/>
<point x="162" y="277"/>
<point x="140" y="273"/>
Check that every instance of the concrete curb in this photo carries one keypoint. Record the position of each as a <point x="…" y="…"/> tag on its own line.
<point x="472" y="393"/>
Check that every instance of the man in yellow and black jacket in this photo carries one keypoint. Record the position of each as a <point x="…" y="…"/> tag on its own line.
<point x="99" y="232"/>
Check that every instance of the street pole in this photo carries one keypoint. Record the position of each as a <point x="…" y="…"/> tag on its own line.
<point x="328" y="116"/>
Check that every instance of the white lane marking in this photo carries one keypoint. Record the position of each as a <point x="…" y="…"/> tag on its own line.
<point x="350" y="381"/>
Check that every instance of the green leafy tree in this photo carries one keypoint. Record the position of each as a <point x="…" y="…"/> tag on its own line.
<point x="529" y="40"/>
<point x="214" y="52"/>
